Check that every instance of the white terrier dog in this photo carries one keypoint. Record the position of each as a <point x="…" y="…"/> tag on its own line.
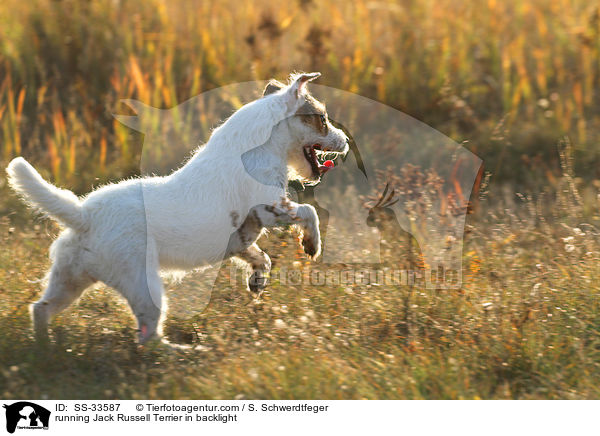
<point x="214" y="207"/>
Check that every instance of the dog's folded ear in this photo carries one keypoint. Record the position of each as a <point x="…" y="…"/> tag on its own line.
<point x="292" y="92"/>
<point x="272" y="87"/>
<point x="300" y="81"/>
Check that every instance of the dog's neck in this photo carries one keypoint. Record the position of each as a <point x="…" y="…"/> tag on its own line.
<point x="268" y="163"/>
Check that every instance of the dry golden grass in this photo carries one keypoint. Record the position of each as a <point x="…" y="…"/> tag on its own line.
<point x="462" y="67"/>
<point x="523" y="325"/>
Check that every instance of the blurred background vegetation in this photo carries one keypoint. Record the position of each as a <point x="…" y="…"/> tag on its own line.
<point x="511" y="77"/>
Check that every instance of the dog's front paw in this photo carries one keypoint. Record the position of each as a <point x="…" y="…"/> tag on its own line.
<point x="311" y="243"/>
<point x="257" y="283"/>
<point x="311" y="237"/>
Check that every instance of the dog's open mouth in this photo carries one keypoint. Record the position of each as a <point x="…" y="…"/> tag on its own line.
<point x="316" y="155"/>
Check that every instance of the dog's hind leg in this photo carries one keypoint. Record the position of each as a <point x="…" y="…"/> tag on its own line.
<point x="144" y="293"/>
<point x="140" y="283"/>
<point x="65" y="285"/>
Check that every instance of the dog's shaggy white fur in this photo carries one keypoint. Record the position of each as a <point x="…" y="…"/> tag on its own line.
<point x="212" y="208"/>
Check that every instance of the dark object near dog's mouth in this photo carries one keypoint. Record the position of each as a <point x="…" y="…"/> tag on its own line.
<point x="310" y="155"/>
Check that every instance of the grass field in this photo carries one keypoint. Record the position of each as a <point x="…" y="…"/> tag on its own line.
<point x="525" y="324"/>
<point x="512" y="78"/>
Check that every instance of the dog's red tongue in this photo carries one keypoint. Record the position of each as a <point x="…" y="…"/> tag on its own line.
<point x="327" y="165"/>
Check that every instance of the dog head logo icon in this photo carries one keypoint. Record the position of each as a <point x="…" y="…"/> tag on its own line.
<point x="26" y="415"/>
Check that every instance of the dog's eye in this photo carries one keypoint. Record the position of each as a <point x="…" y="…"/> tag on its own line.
<point x="323" y="120"/>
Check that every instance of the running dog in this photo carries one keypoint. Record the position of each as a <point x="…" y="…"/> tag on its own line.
<point x="214" y="207"/>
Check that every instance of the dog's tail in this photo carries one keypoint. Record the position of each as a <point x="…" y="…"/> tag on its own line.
<point x="60" y="204"/>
